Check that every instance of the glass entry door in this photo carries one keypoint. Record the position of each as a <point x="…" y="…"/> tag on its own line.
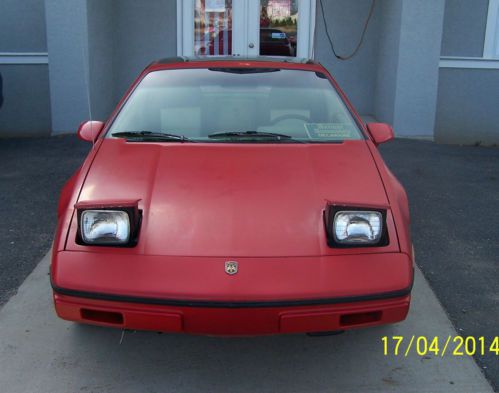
<point x="278" y="27"/>
<point x="246" y="27"/>
<point x="213" y="28"/>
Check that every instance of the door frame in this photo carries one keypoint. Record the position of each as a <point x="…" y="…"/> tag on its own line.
<point x="246" y="25"/>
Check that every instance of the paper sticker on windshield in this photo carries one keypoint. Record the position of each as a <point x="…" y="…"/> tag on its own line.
<point x="330" y="130"/>
<point x="278" y="36"/>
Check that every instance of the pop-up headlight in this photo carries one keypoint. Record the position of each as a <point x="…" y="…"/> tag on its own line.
<point x="103" y="224"/>
<point x="355" y="227"/>
<point x="105" y="227"/>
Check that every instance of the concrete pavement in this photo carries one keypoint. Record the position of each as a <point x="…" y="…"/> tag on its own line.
<point x="40" y="353"/>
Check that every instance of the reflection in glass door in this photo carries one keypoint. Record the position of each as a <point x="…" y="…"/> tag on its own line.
<point x="278" y="27"/>
<point x="213" y="27"/>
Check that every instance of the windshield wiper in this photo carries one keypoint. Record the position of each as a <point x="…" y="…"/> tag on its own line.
<point x="252" y="134"/>
<point x="151" y="136"/>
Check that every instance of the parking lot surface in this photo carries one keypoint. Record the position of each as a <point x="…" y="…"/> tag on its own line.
<point x="454" y="194"/>
<point x="32" y="173"/>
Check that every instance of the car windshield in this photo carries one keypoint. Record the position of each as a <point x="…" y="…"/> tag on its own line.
<point x="247" y="104"/>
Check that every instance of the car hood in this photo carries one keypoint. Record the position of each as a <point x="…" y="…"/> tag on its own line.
<point x="233" y="200"/>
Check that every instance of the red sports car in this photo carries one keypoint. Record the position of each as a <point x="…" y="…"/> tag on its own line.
<point x="233" y="196"/>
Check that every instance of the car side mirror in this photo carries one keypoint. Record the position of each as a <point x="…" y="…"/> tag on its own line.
<point x="90" y="130"/>
<point x="380" y="132"/>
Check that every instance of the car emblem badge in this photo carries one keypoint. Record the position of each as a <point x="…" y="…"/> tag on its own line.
<point x="231" y="267"/>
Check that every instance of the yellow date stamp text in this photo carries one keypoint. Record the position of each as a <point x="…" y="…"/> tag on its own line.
<point x="439" y="346"/>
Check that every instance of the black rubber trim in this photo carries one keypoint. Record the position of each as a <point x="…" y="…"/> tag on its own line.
<point x="217" y="304"/>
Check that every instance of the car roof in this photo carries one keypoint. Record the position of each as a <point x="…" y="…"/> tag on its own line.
<point x="234" y="61"/>
<point x="185" y="59"/>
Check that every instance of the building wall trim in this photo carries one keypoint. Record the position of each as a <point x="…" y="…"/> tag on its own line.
<point x="469" y="62"/>
<point x="491" y="44"/>
<point x="24" y="58"/>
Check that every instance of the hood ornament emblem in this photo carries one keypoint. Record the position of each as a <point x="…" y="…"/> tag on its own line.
<point x="231" y="267"/>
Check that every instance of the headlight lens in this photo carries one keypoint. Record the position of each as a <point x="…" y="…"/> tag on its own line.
<point x="105" y="227"/>
<point x="357" y="227"/>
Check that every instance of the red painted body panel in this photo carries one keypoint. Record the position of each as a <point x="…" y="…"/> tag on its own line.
<point x="398" y="200"/>
<point x="261" y="204"/>
<point x="238" y="321"/>
<point x="234" y="200"/>
<point x="259" y="279"/>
